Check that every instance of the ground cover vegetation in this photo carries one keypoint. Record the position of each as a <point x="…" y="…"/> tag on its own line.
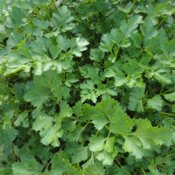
<point x="87" y="87"/>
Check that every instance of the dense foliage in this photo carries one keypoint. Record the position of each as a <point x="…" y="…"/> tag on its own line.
<point x="87" y="87"/>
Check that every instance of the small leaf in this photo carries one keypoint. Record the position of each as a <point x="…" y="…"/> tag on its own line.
<point x="99" y="121"/>
<point x="132" y="145"/>
<point x="105" y="157"/>
<point x="26" y="167"/>
<point x="54" y="51"/>
<point x="96" y="143"/>
<point x="170" y="97"/>
<point x="155" y="102"/>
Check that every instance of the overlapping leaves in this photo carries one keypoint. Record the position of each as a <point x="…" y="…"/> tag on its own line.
<point x="87" y="87"/>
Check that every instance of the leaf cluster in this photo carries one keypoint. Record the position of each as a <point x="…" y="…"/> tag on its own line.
<point x="87" y="87"/>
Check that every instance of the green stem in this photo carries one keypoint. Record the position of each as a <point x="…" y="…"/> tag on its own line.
<point x="169" y="114"/>
<point x="143" y="171"/>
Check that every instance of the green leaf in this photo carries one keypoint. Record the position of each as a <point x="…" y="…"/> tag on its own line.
<point x="75" y="135"/>
<point x="63" y="43"/>
<point x="96" y="55"/>
<point x="62" y="19"/>
<point x="146" y="137"/>
<point x="127" y="27"/>
<point x="5" y="170"/>
<point x="22" y="120"/>
<point x="89" y="92"/>
<point x="163" y="76"/>
<point x="106" y="43"/>
<point x="94" y="168"/>
<point x="155" y="102"/>
<point x="99" y="121"/>
<point x="42" y="122"/>
<point x="17" y="15"/>
<point x="7" y="136"/>
<point x="81" y="155"/>
<point x="77" y="152"/>
<point x="37" y="96"/>
<point x="91" y="72"/>
<point x="148" y="29"/>
<point x="39" y="91"/>
<point x="77" y="109"/>
<point x="26" y="167"/>
<point x="120" y="123"/>
<point x="61" y="165"/>
<point x="65" y="110"/>
<point x="96" y="143"/>
<point x="127" y="8"/>
<point x="158" y="136"/>
<point x="132" y="145"/>
<point x="18" y="63"/>
<point x="136" y="99"/>
<point x="109" y="145"/>
<point x="170" y="97"/>
<point x="51" y="135"/>
<point x="54" y="51"/>
<point x="120" y="80"/>
<point x="81" y="46"/>
<point x="105" y="157"/>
